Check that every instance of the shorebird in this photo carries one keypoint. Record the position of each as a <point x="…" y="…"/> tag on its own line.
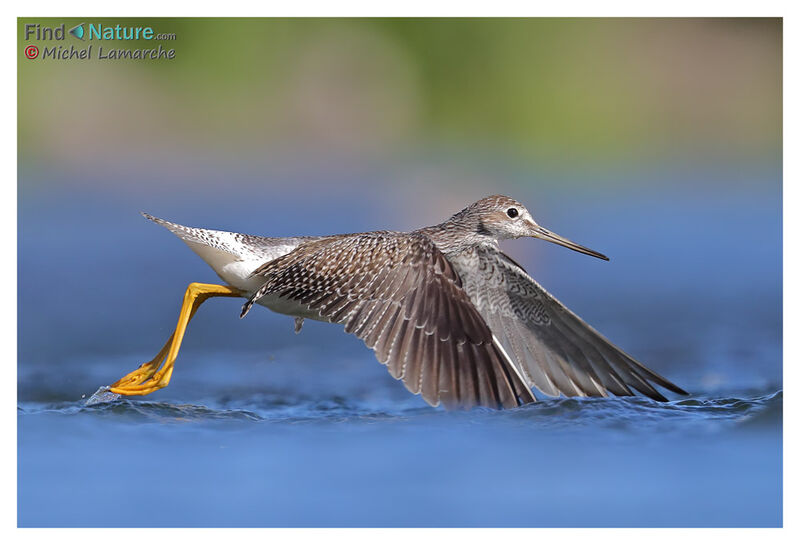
<point x="459" y="321"/>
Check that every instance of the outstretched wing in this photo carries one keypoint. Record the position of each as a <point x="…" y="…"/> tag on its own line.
<point x="400" y="295"/>
<point x="556" y="351"/>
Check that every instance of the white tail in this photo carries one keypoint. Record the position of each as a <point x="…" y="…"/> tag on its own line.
<point x="233" y="256"/>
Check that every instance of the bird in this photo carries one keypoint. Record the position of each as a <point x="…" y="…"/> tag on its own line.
<point x="450" y="314"/>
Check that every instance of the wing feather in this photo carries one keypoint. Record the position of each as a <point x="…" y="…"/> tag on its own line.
<point x="554" y="350"/>
<point x="404" y="299"/>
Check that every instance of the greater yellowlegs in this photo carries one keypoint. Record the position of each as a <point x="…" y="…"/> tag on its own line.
<point x="446" y="311"/>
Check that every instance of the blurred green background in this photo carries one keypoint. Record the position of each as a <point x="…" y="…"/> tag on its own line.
<point x="563" y="94"/>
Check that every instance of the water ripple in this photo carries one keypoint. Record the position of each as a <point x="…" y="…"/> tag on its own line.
<point x="635" y="413"/>
<point x="143" y="410"/>
<point x="644" y="413"/>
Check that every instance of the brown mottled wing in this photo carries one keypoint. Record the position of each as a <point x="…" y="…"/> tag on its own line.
<point x="399" y="294"/>
<point x="556" y="351"/>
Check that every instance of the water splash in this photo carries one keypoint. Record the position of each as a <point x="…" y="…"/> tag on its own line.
<point x="102" y="395"/>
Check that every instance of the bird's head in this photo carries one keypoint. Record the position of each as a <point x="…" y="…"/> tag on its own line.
<point x="502" y="218"/>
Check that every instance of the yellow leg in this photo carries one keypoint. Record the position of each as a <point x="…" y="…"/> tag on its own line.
<point x="148" y="377"/>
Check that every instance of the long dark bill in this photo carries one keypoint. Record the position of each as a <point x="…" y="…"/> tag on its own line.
<point x="544" y="234"/>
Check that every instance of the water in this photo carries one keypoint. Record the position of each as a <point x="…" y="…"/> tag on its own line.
<point x="282" y="460"/>
<point x="260" y="427"/>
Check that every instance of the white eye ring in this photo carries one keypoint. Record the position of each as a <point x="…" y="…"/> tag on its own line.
<point x="512" y="212"/>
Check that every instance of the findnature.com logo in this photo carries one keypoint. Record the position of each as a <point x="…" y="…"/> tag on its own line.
<point x="99" y="32"/>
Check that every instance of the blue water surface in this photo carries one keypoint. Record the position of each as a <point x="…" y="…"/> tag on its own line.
<point x="260" y="427"/>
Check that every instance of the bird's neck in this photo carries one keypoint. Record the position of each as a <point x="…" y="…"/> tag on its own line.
<point x="454" y="236"/>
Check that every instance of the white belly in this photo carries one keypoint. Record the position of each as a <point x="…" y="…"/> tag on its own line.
<point x="237" y="274"/>
<point x="290" y="308"/>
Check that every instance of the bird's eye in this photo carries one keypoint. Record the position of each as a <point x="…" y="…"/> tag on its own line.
<point x="512" y="212"/>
